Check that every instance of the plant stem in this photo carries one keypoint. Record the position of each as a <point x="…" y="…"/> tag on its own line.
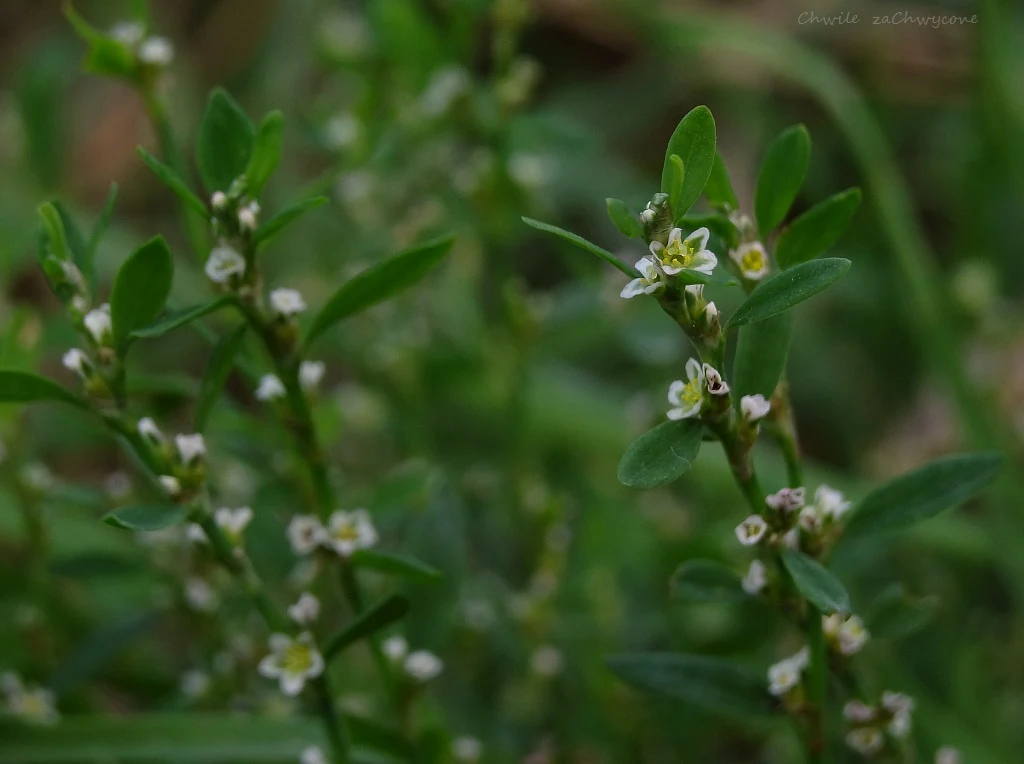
<point x="334" y="723"/>
<point x="818" y="740"/>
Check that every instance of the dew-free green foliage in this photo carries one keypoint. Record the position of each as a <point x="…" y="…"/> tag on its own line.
<point x="693" y="142"/>
<point x="582" y="243"/>
<point x="780" y="177"/>
<point x="816" y="583"/>
<point x="661" y="455"/>
<point x="817" y="229"/>
<point x="623" y="219"/>
<point x="140" y="290"/>
<point x="718" y="190"/>
<point x="266" y="152"/>
<point x="146" y="517"/>
<point x="181" y="317"/>
<point x="706" y="581"/>
<point x="217" y="370"/>
<point x="791" y="287"/>
<point x="226" y="139"/>
<point x="23" y="387"/>
<point x="402" y="566"/>
<point x="378" y="616"/>
<point x="288" y="215"/>
<point x="170" y="178"/>
<point x="761" y="351"/>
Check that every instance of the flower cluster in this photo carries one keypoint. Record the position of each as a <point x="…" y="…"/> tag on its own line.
<point x="788" y="521"/>
<point x="846" y="634"/>
<point x="29" y="704"/>
<point x="149" y="50"/>
<point x="667" y="260"/>
<point x="345" y="533"/>
<point x="420" y="665"/>
<point x="183" y="462"/>
<point x="869" y="724"/>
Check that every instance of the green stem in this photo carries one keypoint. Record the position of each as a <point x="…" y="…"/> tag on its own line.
<point x="334" y="723"/>
<point x="817" y="743"/>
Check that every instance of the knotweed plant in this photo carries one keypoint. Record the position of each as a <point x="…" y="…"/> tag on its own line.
<point x="235" y="159"/>
<point x="686" y="256"/>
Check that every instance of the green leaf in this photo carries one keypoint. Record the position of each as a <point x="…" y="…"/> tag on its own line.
<point x="140" y="289"/>
<point x="711" y="683"/>
<point x="75" y="241"/>
<point x="146" y="517"/>
<point x="397" y="565"/>
<point x="582" y="243"/>
<point x="661" y="455"/>
<point x="377" y="617"/>
<point x="97" y="565"/>
<point x="624" y="220"/>
<point x="284" y="217"/>
<point x="706" y="581"/>
<point x="216" y="375"/>
<point x="106" y="56"/>
<point x="677" y="177"/>
<point x="694" y="143"/>
<point x="226" y="137"/>
<point x="175" y="182"/>
<point x="53" y="225"/>
<point x="760" y="360"/>
<point x="176" y="318"/>
<point x="923" y="493"/>
<point x="718" y="190"/>
<point x="816" y="583"/>
<point x="23" y="387"/>
<point x="378" y="283"/>
<point x="102" y="223"/>
<point x="99" y="648"/>
<point x="780" y="178"/>
<point x="894" y="615"/>
<point x="266" y="152"/>
<point x="784" y="290"/>
<point x="817" y="229"/>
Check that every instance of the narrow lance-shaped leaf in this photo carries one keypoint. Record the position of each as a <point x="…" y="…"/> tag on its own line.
<point x="103" y="222"/>
<point x="661" y="455"/>
<point x="718" y="190"/>
<point x="148" y="517"/>
<point x="397" y="565"/>
<point x="177" y="318"/>
<point x="816" y="230"/>
<point x="706" y="581"/>
<point x="288" y="215"/>
<point x="694" y="143"/>
<point x="781" y="175"/>
<point x="788" y="288"/>
<point x="377" y="617"/>
<point x="140" y="289"/>
<point x="624" y="220"/>
<point x="380" y="282"/>
<point x="760" y="360"/>
<point x="173" y="181"/>
<point x="216" y="375"/>
<point x="266" y="152"/>
<point x="226" y="136"/>
<point x="924" y="493"/>
<point x="53" y="225"/>
<point x="816" y="583"/>
<point x="582" y="243"/>
<point x="24" y="387"/>
<point x="715" y="684"/>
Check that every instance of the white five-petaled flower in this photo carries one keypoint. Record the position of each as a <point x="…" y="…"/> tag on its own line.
<point x="687" y="397"/>
<point x="156" y="51"/>
<point x="270" y="388"/>
<point x="218" y="201"/>
<point x="233" y="522"/>
<point x="170" y="484"/>
<point x="349" y="531"/>
<point x="224" y="263"/>
<point x="754" y="407"/>
<point x="467" y="749"/>
<point x="312" y="755"/>
<point x="98" y="324"/>
<point x="248" y="216"/>
<point x="648" y="282"/>
<point x="756" y="578"/>
<point x="713" y="379"/>
<point x="685" y="254"/>
<point x="849" y="634"/>
<point x="148" y="430"/>
<point x="866" y="741"/>
<point x="305" y="533"/>
<point x="305" y="610"/>
<point x="287" y="302"/>
<point x="751" y="530"/>
<point x="786" y="500"/>
<point x="310" y="374"/>
<point x="785" y="675"/>
<point x="191" y="448"/>
<point x="396" y="648"/>
<point x="292" y="660"/>
<point x="831" y="502"/>
<point x="859" y="712"/>
<point x="77" y="361"/>
<point x="423" y="665"/>
<point x="751" y="259"/>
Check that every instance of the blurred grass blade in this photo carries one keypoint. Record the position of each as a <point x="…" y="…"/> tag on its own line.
<point x="788" y="288"/>
<point x="225" y="145"/>
<point x="289" y="214"/>
<point x="693" y="141"/>
<point x="761" y="351"/>
<point x="375" y="618"/>
<point x="175" y="182"/>
<point x="582" y="243"/>
<point x="894" y="615"/>
<point x="25" y="387"/>
<point x="266" y="152"/>
<point x="216" y="375"/>
<point x="661" y="455"/>
<point x="706" y="581"/>
<point x="103" y="222"/>
<point x="816" y="583"/>
<point x="177" y="318"/>
<point x="140" y="290"/>
<point x="627" y="223"/>
<point x="816" y="230"/>
<point x="146" y="517"/>
<point x="923" y="493"/>
<point x="780" y="178"/>
<point x="397" y="565"/>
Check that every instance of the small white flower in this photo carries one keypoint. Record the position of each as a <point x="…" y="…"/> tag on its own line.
<point x="859" y="712"/>
<point x="170" y="484"/>
<point x="790" y="539"/>
<point x="785" y="675"/>
<point x="751" y="530"/>
<point x="35" y="705"/>
<point x="342" y="131"/>
<point x="866" y="741"/>
<point x="647" y="216"/>
<point x="756" y="578"/>
<point x="224" y="263"/>
<point x="248" y="216"/>
<point x="547" y="661"/>
<point x="786" y="500"/>
<point x="396" y="648"/>
<point x="754" y="407"/>
<point x="194" y="684"/>
<point x="233" y="522"/>
<point x="713" y="379"/>
<point x="218" y="201"/>
<point x="200" y="595"/>
<point x="292" y="661"/>
<point x="710" y="312"/>
<point x="948" y="755"/>
<point x="648" y="282"/>
<point x="313" y="755"/>
<point x="157" y="51"/>
<point x="270" y="388"/>
<point x="305" y="610"/>
<point x="310" y="374"/>
<point x="810" y="519"/>
<point x="195" y="533"/>
<point x="147" y="429"/>
<point x="349" y="531"/>
<point x="444" y="88"/>
<point x="305" y="533"/>
<point x="831" y="502"/>
<point x="852" y="636"/>
<point x="287" y="302"/>
<point x="423" y="665"/>
<point x="901" y="707"/>
<point x="77" y="361"/>
<point x="191" y="448"/>
<point x="128" y="32"/>
<point x="751" y="259"/>
<point x="687" y="397"/>
<point x="467" y="749"/>
<point x="98" y="324"/>
<point x="685" y="254"/>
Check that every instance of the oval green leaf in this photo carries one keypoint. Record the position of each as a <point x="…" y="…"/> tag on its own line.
<point x="582" y="243"/>
<point x="399" y="565"/>
<point x="760" y="360"/>
<point x="266" y="152"/>
<point x="788" y="288"/>
<point x="780" y="178"/>
<point x="24" y="387"/>
<point x="140" y="289"/>
<point x="718" y="190"/>
<point x="706" y="581"/>
<point x="380" y="282"/>
<point x="226" y="136"/>
<point x="693" y="141"/>
<point x="924" y="493"/>
<point x="283" y="218"/>
<point x="146" y="517"/>
<point x="624" y="220"/>
<point x="181" y="317"/>
<point x="377" y="617"/>
<point x="816" y="583"/>
<point x="173" y="181"/>
<point x="661" y="455"/>
<point x="817" y="229"/>
<point x="715" y="684"/>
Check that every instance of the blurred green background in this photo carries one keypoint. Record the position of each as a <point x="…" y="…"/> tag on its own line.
<point x="481" y="416"/>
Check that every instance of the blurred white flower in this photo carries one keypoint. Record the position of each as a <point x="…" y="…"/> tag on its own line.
<point x="128" y="32"/>
<point x="687" y="397"/>
<point x="156" y="51"/>
<point x="785" y="675"/>
<point x="98" y="324"/>
<point x="191" y="448"/>
<point x="547" y="661"/>
<point x="342" y="131"/>
<point x="948" y="755"/>
<point x="305" y="533"/>
<point x="866" y="741"/>
<point x="859" y="712"/>
<point x="786" y="500"/>
<point x="313" y="755"/>
<point x="756" y="578"/>
<point x="754" y="407"/>
<point x="444" y="88"/>
<point x="848" y="633"/>
<point x="233" y="522"/>
<point x="466" y="749"/>
<point x="349" y="531"/>
<point x="681" y="254"/>
<point x="200" y="595"/>
<point x="311" y="373"/>
<point x="292" y="660"/>
<point x="218" y="201"/>
<point x="305" y="610"/>
<point x="170" y="484"/>
<point x="77" y="361"/>
<point x="194" y="684"/>
<point x="831" y="502"/>
<point x="901" y="707"/>
<point x="270" y="388"/>
<point x="33" y="705"/>
<point x="423" y="665"/>
<point x="751" y="259"/>
<point x="751" y="530"/>
<point x="147" y="429"/>
<point x="223" y="263"/>
<point x="395" y="648"/>
<point x="248" y="216"/>
<point x="648" y="282"/>
<point x="287" y="302"/>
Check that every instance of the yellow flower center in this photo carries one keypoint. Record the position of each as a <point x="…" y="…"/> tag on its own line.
<point x="297" y="658"/>
<point x="692" y="394"/>
<point x="752" y="261"/>
<point x="347" y="532"/>
<point x="679" y="254"/>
